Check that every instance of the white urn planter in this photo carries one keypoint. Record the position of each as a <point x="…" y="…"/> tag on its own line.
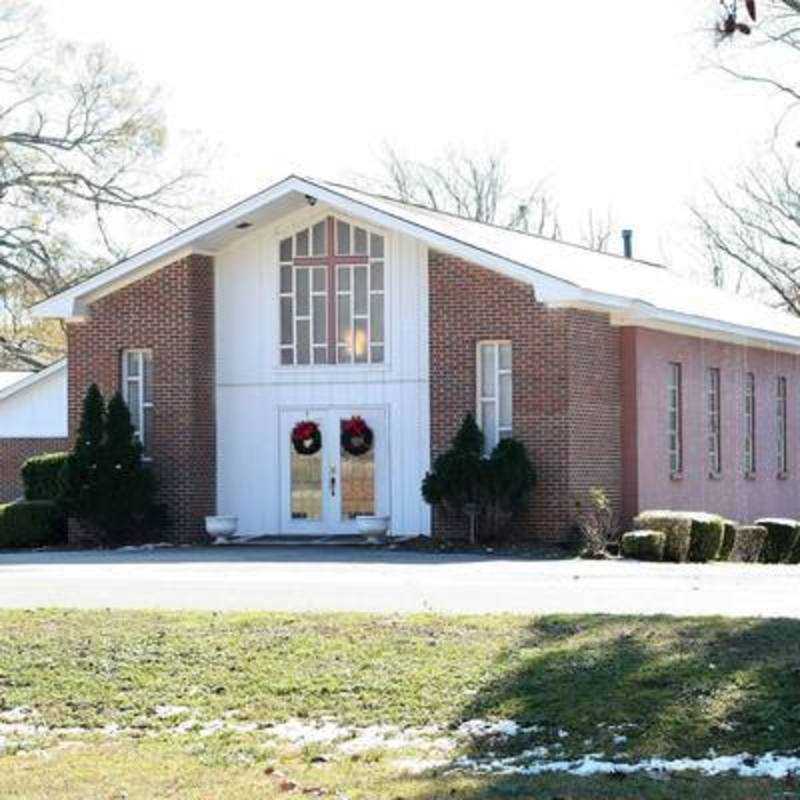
<point x="374" y="528"/>
<point x="221" y="526"/>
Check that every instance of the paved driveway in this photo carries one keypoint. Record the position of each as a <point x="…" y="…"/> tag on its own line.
<point x="357" y="579"/>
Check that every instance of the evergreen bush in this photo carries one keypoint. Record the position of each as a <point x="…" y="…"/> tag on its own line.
<point x="644" y="545"/>
<point x="32" y="523"/>
<point x="748" y="543"/>
<point x="728" y="540"/>
<point x="676" y="527"/>
<point x="40" y="476"/>
<point x="782" y="535"/>
<point x="707" y="534"/>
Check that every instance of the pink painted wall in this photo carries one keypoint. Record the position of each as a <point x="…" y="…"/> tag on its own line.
<point x="647" y="483"/>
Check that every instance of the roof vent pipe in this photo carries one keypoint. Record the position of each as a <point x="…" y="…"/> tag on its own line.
<point x="627" y="242"/>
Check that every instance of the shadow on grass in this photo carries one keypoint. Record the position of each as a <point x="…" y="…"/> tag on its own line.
<point x="635" y="688"/>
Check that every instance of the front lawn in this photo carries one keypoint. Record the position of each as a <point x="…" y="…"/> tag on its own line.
<point x="151" y="705"/>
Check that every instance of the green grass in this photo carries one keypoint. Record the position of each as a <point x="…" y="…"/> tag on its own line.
<point x="679" y="686"/>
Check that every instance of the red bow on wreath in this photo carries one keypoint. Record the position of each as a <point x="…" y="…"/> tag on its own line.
<point x="355" y="426"/>
<point x="304" y="431"/>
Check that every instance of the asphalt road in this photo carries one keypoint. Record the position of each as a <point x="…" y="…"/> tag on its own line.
<point x="359" y="579"/>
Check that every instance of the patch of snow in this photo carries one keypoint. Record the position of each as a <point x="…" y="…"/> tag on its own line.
<point x="167" y="711"/>
<point x="132" y="548"/>
<point x="481" y="728"/>
<point x="417" y="766"/>
<point x="619" y="739"/>
<point x="18" y="714"/>
<point x="210" y="728"/>
<point x="769" y="765"/>
<point x="303" y="733"/>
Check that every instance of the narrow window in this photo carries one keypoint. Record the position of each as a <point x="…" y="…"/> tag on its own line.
<point x="494" y="407"/>
<point x="675" y="405"/>
<point x="137" y="391"/>
<point x="782" y="417"/>
<point x="749" y="423"/>
<point x="714" y="420"/>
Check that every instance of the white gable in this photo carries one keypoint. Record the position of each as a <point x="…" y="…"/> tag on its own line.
<point x="634" y="292"/>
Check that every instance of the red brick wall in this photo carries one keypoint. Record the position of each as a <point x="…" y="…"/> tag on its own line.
<point x="566" y="373"/>
<point x="13" y="454"/>
<point x="170" y="312"/>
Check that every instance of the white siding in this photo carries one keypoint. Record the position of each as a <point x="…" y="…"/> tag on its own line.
<point x="252" y="387"/>
<point x="37" y="410"/>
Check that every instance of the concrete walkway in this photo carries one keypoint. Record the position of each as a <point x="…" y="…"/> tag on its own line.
<point x="359" y="579"/>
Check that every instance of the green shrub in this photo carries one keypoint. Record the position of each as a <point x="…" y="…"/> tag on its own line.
<point x="676" y="527"/>
<point x="32" y="523"/>
<point x="782" y="535"/>
<point x="748" y="543"/>
<point x="707" y="533"/>
<point x="728" y="540"/>
<point x="40" y="476"/>
<point x="644" y="545"/>
<point x="487" y="491"/>
<point x="794" y="556"/>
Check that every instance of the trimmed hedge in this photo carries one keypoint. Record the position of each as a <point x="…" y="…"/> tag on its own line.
<point x="644" y="545"/>
<point x="748" y="543"/>
<point x="677" y="529"/>
<point x="782" y="536"/>
<point x="707" y="533"/>
<point x="728" y="540"/>
<point x="32" y="523"/>
<point x="40" y="476"/>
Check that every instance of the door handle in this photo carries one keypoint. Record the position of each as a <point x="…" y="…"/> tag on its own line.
<point x="333" y="481"/>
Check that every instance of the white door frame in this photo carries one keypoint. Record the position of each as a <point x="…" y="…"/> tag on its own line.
<point x="329" y="419"/>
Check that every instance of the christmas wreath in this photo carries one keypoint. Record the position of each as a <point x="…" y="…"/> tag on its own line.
<point x="356" y="436"/>
<point x="306" y="438"/>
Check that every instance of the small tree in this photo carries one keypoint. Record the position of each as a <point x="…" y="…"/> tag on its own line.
<point x="104" y="484"/>
<point x="490" y="490"/>
<point x="127" y="508"/>
<point x="80" y="476"/>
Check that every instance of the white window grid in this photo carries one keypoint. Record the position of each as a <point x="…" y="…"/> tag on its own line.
<point x="491" y="404"/>
<point x="374" y="347"/>
<point x="782" y="425"/>
<point x="714" y="421"/>
<point x="675" y="412"/>
<point x="133" y="386"/>
<point x="750" y="423"/>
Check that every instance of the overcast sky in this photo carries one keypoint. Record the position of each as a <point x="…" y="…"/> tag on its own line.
<point x="609" y="101"/>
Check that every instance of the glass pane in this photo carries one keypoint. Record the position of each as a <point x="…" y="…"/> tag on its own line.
<point x="303" y="341"/>
<point x="377" y="354"/>
<point x="302" y="243"/>
<point x="487" y="370"/>
<point x="343" y="319"/>
<point x="318" y="279"/>
<point x="132" y="364"/>
<point x="360" y="290"/>
<point x="376" y="276"/>
<point x="286" y="249"/>
<point x="505" y="356"/>
<point x="306" y="483"/>
<point x="359" y="241"/>
<point x="286" y="320"/>
<point x="147" y="358"/>
<point x="132" y="399"/>
<point x="505" y="400"/>
<point x="360" y="341"/>
<point x="321" y="355"/>
<point x="148" y="431"/>
<point x="489" y="424"/>
<point x="320" y="319"/>
<point x="286" y="280"/>
<point x="358" y="484"/>
<point x="376" y="245"/>
<point x="376" y="317"/>
<point x="342" y="238"/>
<point x="344" y="279"/>
<point x="318" y="239"/>
<point x="287" y="355"/>
<point x="302" y="291"/>
<point x="343" y="355"/>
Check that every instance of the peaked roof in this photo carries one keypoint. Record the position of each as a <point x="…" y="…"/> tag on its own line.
<point x="633" y="291"/>
<point x="13" y="382"/>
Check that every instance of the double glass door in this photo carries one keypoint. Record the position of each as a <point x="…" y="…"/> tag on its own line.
<point x="334" y="468"/>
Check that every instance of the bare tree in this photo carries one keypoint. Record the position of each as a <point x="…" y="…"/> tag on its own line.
<point x="474" y="186"/>
<point x="597" y="232"/>
<point x="82" y="145"/>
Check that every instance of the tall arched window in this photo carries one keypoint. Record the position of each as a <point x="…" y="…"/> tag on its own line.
<point x="332" y="291"/>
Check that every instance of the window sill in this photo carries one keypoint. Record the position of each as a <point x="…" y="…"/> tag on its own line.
<point x="782" y="476"/>
<point x="676" y="476"/>
<point x="750" y="476"/>
<point x="715" y="476"/>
